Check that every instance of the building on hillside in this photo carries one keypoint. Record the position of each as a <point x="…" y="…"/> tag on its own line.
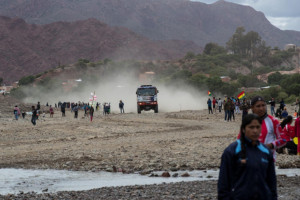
<point x="70" y="83"/>
<point x="6" y="88"/>
<point x="249" y="89"/>
<point x="290" y="46"/>
<point x="225" y="79"/>
<point x="15" y="84"/>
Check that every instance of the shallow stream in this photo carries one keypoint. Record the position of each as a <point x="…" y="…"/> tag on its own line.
<point x="14" y="181"/>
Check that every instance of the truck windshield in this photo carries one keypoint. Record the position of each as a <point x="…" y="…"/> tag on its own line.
<point x="146" y="91"/>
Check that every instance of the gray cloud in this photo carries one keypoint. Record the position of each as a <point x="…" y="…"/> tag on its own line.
<point x="282" y="13"/>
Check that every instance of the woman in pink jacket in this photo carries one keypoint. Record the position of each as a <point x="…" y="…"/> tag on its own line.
<point x="17" y="112"/>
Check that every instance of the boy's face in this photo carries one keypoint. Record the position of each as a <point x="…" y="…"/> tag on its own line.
<point x="259" y="108"/>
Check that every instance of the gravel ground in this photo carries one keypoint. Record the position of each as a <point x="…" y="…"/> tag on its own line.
<point x="129" y="142"/>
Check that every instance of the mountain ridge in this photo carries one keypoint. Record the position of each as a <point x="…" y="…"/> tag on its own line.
<point x="27" y="49"/>
<point x="156" y="19"/>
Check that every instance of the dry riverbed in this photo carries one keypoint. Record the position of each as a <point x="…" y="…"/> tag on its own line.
<point x="129" y="142"/>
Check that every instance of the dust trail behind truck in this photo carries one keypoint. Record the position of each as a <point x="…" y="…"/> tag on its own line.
<point x="147" y="98"/>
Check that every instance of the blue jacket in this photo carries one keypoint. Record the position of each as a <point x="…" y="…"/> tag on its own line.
<point x="209" y="103"/>
<point x="254" y="180"/>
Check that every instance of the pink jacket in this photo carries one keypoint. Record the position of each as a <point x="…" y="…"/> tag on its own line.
<point x="18" y="110"/>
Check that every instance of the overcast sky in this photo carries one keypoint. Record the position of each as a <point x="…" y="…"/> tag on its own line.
<point x="284" y="14"/>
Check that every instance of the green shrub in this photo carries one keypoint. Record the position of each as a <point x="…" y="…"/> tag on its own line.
<point x="26" y="80"/>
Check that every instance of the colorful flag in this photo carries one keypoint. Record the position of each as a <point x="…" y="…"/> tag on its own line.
<point x="241" y="95"/>
<point x="209" y="93"/>
<point x="93" y="98"/>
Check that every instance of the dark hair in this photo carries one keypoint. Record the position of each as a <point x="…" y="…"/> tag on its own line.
<point x="288" y="119"/>
<point x="247" y="120"/>
<point x="256" y="99"/>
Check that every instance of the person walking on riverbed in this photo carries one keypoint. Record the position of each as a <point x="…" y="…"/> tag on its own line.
<point x="51" y="111"/>
<point x="17" y="112"/>
<point x="247" y="168"/>
<point x="92" y="112"/>
<point x="34" y="116"/>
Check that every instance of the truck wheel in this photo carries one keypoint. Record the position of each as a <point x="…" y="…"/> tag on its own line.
<point x="138" y="109"/>
<point x="156" y="109"/>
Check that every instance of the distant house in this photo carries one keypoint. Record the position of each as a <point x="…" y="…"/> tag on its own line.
<point x="70" y="83"/>
<point x="250" y="89"/>
<point x="6" y="88"/>
<point x="290" y="46"/>
<point x="225" y="79"/>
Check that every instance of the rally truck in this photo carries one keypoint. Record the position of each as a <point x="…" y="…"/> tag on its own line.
<point x="147" y="98"/>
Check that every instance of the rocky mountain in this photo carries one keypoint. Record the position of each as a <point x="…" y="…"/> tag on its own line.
<point x="27" y="49"/>
<point x="157" y="19"/>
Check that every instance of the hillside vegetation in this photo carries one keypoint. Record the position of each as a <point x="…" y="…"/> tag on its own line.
<point x="244" y="58"/>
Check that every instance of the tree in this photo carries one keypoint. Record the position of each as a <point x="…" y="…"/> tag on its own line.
<point x="26" y="80"/>
<point x="274" y="79"/>
<point x="214" y="83"/>
<point x="249" y="44"/>
<point x="181" y="75"/>
<point x="234" y="43"/>
<point x="252" y="41"/>
<point x="291" y="84"/>
<point x="213" y="49"/>
<point x="189" y="55"/>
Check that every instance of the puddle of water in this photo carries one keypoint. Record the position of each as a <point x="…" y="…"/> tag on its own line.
<point x="288" y="172"/>
<point x="12" y="181"/>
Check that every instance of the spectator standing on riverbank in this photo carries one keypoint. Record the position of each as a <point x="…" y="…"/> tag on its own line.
<point x="75" y="109"/>
<point x="289" y="134"/>
<point x="17" y="112"/>
<point x="51" y="111"/>
<point x="272" y="104"/>
<point x="34" y="115"/>
<point x="227" y="109"/>
<point x="297" y="107"/>
<point x="63" y="109"/>
<point x="214" y="102"/>
<point x="209" y="106"/>
<point x="247" y="168"/>
<point x="92" y="112"/>
<point x="220" y="103"/>
<point x="237" y="106"/>
<point x="121" y="106"/>
<point x="284" y="113"/>
<point x="282" y="105"/>
<point x="232" y="108"/>
<point x="244" y="107"/>
<point x="271" y="133"/>
<point x="38" y="108"/>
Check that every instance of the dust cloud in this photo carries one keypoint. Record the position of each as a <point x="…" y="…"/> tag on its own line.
<point x="123" y="87"/>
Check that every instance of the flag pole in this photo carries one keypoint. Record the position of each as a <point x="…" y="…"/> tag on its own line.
<point x="93" y="97"/>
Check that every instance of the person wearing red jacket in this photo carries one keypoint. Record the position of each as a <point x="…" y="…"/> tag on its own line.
<point x="297" y="133"/>
<point x="288" y="129"/>
<point x="289" y="134"/>
<point x="271" y="133"/>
